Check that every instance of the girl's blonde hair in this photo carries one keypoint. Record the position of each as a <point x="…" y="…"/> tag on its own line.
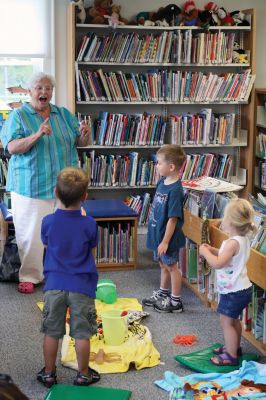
<point x="239" y="213"/>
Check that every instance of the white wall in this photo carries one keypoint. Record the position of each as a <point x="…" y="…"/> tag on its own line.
<point x="131" y="8"/>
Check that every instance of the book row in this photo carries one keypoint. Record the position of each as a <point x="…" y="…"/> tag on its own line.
<point x="125" y="129"/>
<point x="207" y="204"/>
<point x="119" y="170"/>
<point x="254" y="315"/>
<point x="179" y="47"/>
<point x="261" y="144"/>
<point x="208" y="164"/>
<point x="163" y="85"/>
<point x="261" y="174"/>
<point x="204" y="128"/>
<point x="116" y="243"/>
<point x="142" y="205"/>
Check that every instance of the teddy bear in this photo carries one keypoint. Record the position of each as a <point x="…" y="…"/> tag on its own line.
<point x="115" y="18"/>
<point x="96" y="13"/>
<point x="170" y="14"/>
<point x="190" y="13"/>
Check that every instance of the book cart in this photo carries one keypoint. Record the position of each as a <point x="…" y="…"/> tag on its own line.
<point x="256" y="264"/>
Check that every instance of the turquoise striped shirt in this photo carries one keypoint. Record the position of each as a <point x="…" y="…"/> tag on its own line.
<point x="33" y="174"/>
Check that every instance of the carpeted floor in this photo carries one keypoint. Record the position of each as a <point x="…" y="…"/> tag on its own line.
<point x="21" y="342"/>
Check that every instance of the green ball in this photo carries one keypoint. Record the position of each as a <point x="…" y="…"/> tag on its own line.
<point x="106" y="291"/>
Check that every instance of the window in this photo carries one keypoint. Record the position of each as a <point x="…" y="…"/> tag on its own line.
<point x="28" y="45"/>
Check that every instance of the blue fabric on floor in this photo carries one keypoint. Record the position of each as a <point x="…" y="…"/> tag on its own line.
<point x="250" y="370"/>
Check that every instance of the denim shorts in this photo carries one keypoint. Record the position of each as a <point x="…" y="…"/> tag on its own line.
<point x="167" y="259"/>
<point x="232" y="304"/>
<point x="82" y="314"/>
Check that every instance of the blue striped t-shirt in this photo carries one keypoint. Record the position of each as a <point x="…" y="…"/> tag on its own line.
<point x="33" y="174"/>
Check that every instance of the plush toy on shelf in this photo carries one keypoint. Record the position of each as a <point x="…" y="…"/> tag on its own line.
<point x="96" y="13"/>
<point x="168" y="16"/>
<point x="80" y="11"/>
<point x="239" y="55"/>
<point x="190" y="13"/>
<point x="239" y="18"/>
<point x="145" y="18"/>
<point x="213" y="9"/>
<point x="115" y="18"/>
<point x="225" y="17"/>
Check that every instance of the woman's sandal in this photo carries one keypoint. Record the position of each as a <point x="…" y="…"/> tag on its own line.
<point x="222" y="349"/>
<point x="86" y="380"/>
<point x="26" y="287"/>
<point x="224" y="359"/>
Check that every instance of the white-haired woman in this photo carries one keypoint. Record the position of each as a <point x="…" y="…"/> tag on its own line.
<point x="41" y="139"/>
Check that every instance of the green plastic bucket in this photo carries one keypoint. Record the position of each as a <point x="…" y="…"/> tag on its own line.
<point x="115" y="328"/>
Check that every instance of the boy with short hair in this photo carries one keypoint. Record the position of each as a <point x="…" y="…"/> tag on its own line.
<point x="70" y="277"/>
<point x="165" y="236"/>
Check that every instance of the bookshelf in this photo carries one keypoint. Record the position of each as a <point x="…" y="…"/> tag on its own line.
<point x="256" y="265"/>
<point x="259" y="155"/>
<point x="240" y="145"/>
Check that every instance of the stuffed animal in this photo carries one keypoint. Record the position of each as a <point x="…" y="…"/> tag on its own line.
<point x="80" y="11"/>
<point x="225" y="17"/>
<point x="96" y="13"/>
<point x="213" y="8"/>
<point x="146" y="18"/>
<point x="190" y="13"/>
<point x="115" y="18"/>
<point x="239" y="55"/>
<point x="239" y="18"/>
<point x="170" y="14"/>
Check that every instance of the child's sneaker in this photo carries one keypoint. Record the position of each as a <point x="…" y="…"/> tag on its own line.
<point x="165" y="305"/>
<point x="86" y="380"/>
<point x="48" y="379"/>
<point x="150" y="301"/>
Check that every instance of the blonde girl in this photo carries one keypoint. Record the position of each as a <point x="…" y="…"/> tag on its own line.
<point x="233" y="284"/>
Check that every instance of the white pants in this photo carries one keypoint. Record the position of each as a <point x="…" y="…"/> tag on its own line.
<point x="27" y="217"/>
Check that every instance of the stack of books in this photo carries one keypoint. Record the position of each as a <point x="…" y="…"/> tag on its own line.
<point x="142" y="205"/>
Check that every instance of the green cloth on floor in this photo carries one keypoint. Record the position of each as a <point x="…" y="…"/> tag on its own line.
<point x="67" y="392"/>
<point x="200" y="360"/>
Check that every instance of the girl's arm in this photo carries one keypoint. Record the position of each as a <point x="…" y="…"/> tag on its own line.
<point x="221" y="260"/>
<point x="170" y="228"/>
<point x="213" y="250"/>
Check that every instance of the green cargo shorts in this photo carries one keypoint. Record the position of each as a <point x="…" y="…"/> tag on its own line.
<point x="82" y="314"/>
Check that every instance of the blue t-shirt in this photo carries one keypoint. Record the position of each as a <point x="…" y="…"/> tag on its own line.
<point x="167" y="203"/>
<point x="69" y="264"/>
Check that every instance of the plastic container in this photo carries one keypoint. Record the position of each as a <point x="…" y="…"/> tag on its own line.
<point x="115" y="329"/>
<point x="106" y="291"/>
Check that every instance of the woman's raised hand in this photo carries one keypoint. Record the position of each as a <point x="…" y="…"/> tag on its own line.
<point x="45" y="128"/>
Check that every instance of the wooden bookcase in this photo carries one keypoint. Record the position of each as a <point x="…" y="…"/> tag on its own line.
<point x="256" y="265"/>
<point x="239" y="149"/>
<point x="259" y="126"/>
<point x="105" y="266"/>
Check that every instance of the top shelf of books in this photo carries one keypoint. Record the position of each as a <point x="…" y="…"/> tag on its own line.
<point x="164" y="28"/>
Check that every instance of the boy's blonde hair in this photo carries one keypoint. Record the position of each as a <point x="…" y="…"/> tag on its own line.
<point x="173" y="154"/>
<point x="71" y="186"/>
<point x="239" y="213"/>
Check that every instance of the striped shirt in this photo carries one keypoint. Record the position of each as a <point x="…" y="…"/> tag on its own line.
<point x="33" y="174"/>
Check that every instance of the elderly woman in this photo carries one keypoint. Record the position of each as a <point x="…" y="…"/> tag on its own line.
<point x="41" y="139"/>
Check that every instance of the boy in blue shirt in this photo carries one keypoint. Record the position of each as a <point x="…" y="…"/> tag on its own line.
<point x="70" y="277"/>
<point x="165" y="236"/>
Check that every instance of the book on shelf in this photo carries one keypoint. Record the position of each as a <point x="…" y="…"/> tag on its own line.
<point x="205" y="182"/>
